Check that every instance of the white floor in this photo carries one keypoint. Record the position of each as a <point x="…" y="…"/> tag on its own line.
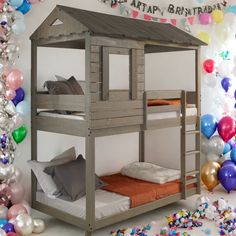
<point x="59" y="228"/>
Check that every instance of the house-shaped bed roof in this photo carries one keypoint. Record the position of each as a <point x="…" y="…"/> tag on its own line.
<point x="74" y="22"/>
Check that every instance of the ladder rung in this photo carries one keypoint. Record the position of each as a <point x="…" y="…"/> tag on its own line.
<point x="191" y="181"/>
<point x="190" y="173"/>
<point x="190" y="153"/>
<point x="189" y="132"/>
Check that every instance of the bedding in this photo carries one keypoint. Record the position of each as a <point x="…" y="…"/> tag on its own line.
<point x="140" y="192"/>
<point x="70" y="178"/>
<point x="150" y="172"/>
<point x="45" y="181"/>
<point x="106" y="204"/>
<point x="163" y="102"/>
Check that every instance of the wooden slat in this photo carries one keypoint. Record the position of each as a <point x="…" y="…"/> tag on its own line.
<point x="133" y="75"/>
<point x="61" y="102"/>
<point x="117" y="122"/>
<point x="105" y="73"/>
<point x="94" y="67"/>
<point x="141" y="78"/>
<point x="116" y="114"/>
<point x="160" y="109"/>
<point x="95" y="77"/>
<point x="141" y="87"/>
<point x="61" y="125"/>
<point x="95" y="49"/>
<point x="119" y="51"/>
<point x="113" y="106"/>
<point x="163" y="94"/>
<point x="191" y="97"/>
<point x="95" y="57"/>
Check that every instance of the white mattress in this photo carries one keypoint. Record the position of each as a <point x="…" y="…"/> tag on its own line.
<point x="192" y="111"/>
<point x="106" y="204"/>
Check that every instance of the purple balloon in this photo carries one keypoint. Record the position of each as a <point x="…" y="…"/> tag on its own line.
<point x="227" y="177"/>
<point x="8" y="228"/>
<point x="232" y="143"/>
<point x="226" y="83"/>
<point x="20" y="95"/>
<point x="228" y="163"/>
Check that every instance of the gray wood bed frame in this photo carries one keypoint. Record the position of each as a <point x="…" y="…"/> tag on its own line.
<point x="112" y="112"/>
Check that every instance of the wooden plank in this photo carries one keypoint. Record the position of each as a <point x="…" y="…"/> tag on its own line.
<point x="116" y="114"/>
<point x="61" y="125"/>
<point x="163" y="94"/>
<point x="140" y="69"/>
<point x="95" y="57"/>
<point x="60" y="102"/>
<point x="133" y="83"/>
<point x="95" y="87"/>
<point x="191" y="97"/>
<point x="94" y="67"/>
<point x="95" y="49"/>
<point x="112" y="106"/>
<point x="160" y="109"/>
<point x="95" y="77"/>
<point x="119" y="51"/>
<point x="141" y="87"/>
<point x="113" y="42"/>
<point x="117" y="122"/>
<point x="141" y="78"/>
<point x="105" y="73"/>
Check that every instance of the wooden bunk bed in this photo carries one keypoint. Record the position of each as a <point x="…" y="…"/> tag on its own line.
<point x="112" y="112"/>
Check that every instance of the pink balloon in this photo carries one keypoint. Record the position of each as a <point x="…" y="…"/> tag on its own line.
<point x="10" y="94"/>
<point x="27" y="206"/>
<point x="5" y="194"/>
<point x="16" y="210"/>
<point x="14" y="79"/>
<point x="17" y="176"/>
<point x="18" y="120"/>
<point x="227" y="128"/>
<point x="205" y="18"/>
<point x="17" y="193"/>
<point x="11" y="234"/>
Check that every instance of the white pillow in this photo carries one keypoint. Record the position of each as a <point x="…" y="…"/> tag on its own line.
<point x="45" y="181"/>
<point x="150" y="172"/>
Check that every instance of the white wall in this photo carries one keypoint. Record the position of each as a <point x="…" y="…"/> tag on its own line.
<point x="164" y="71"/>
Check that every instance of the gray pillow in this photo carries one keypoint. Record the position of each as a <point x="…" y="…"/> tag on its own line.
<point x="70" y="178"/>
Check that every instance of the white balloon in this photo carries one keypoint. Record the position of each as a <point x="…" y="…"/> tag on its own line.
<point x="2" y="232"/>
<point x="3" y="212"/>
<point x="212" y="157"/>
<point x="23" y="225"/>
<point x="10" y="108"/>
<point x="6" y="172"/>
<point x="27" y="206"/>
<point x="205" y="145"/>
<point x="39" y="226"/>
<point x="210" y="80"/>
<point x="216" y="145"/>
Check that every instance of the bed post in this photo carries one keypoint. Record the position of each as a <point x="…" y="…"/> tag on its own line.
<point x="198" y="125"/>
<point x="33" y="115"/>
<point x="142" y="146"/>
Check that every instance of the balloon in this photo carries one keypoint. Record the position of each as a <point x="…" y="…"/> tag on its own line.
<point x="212" y="157"/>
<point x="14" y="79"/>
<point x="23" y="225"/>
<point x="17" y="192"/>
<point x="218" y="16"/>
<point x="216" y="145"/>
<point x="3" y="222"/>
<point x="205" y="18"/>
<point x="10" y="108"/>
<point x="204" y="144"/>
<point x="2" y="88"/>
<point x="228" y="163"/>
<point x="16" y="210"/>
<point x="209" y="65"/>
<point x="27" y="206"/>
<point x="15" y="3"/>
<point x="25" y="7"/>
<point x="8" y="227"/>
<point x="12" y="234"/>
<point x="19" y="134"/>
<point x="233" y="155"/>
<point x="210" y="80"/>
<point x="10" y="94"/>
<point x="6" y="172"/>
<point x="227" y="128"/>
<point x="17" y="176"/>
<point x="203" y="36"/>
<point x="227" y="148"/>
<point x="227" y="177"/>
<point x="23" y="108"/>
<point x="2" y="232"/>
<point x="226" y="84"/>
<point x="209" y="174"/>
<point x="3" y="212"/>
<point x="232" y="143"/>
<point x="20" y="95"/>
<point x="208" y="125"/>
<point x="17" y="120"/>
<point x="18" y="27"/>
<point x="39" y="226"/>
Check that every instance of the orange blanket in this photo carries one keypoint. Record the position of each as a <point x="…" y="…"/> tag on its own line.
<point x="163" y="102"/>
<point x="140" y="192"/>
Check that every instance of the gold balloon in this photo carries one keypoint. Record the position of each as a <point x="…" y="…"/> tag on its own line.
<point x="209" y="174"/>
<point x="39" y="226"/>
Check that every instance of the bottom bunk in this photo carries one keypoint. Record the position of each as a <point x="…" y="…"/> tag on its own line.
<point x="119" y="195"/>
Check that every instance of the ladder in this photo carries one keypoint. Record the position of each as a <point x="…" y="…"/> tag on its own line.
<point x="194" y="176"/>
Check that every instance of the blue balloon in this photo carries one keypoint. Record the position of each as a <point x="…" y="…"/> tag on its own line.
<point x="3" y="222"/>
<point x="208" y="125"/>
<point x="233" y="155"/>
<point x="226" y="83"/>
<point x="15" y="3"/>
<point x="8" y="227"/>
<point x="25" y="7"/>
<point x="20" y="95"/>
<point x="227" y="177"/>
<point x="227" y="148"/>
<point x="231" y="9"/>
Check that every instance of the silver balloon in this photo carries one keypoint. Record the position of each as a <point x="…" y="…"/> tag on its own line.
<point x="3" y="212"/>
<point x="2" y="232"/>
<point x="2" y="88"/>
<point x="3" y="121"/>
<point x="216" y="145"/>
<point x="212" y="157"/>
<point x="39" y="226"/>
<point x="6" y="172"/>
<point x="205" y="145"/>
<point x="23" y="225"/>
<point x="10" y="108"/>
